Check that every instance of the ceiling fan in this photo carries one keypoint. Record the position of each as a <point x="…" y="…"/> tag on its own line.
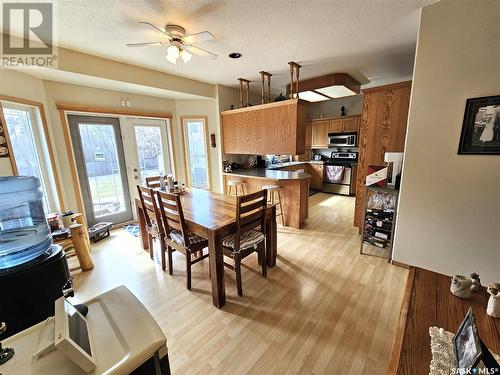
<point x="178" y="43"/>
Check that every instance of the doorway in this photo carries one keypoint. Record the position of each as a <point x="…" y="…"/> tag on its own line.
<point x="148" y="149"/>
<point x="101" y="168"/>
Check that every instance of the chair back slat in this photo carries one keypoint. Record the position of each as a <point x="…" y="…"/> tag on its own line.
<point x="250" y="214"/>
<point x="153" y="182"/>
<point x="172" y="214"/>
<point x="151" y="213"/>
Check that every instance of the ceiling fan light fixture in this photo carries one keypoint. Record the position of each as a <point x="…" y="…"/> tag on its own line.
<point x="173" y="51"/>
<point x="185" y="56"/>
<point x="171" y="59"/>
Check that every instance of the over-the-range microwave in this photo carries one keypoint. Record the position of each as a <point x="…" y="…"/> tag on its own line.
<point x="341" y="139"/>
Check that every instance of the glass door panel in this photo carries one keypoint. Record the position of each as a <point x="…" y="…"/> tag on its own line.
<point x="101" y="168"/>
<point x="197" y="153"/>
<point x="150" y="151"/>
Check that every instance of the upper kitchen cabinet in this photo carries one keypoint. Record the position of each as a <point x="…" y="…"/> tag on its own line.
<point x="351" y="124"/>
<point x="345" y="124"/>
<point x="320" y="130"/>
<point x="335" y="126"/>
<point x="273" y="128"/>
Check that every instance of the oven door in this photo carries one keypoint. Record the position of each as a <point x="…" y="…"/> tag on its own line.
<point x="337" y="179"/>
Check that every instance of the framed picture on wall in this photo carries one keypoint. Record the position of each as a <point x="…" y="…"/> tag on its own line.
<point x="481" y="126"/>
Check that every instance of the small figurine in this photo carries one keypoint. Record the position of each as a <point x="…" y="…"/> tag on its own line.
<point x="5" y="353"/>
<point x="476" y="282"/>
<point x="493" y="308"/>
<point x="342" y="110"/>
<point x="461" y="286"/>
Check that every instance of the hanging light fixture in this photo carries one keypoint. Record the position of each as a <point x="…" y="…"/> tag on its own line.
<point x="174" y="52"/>
<point x="185" y="56"/>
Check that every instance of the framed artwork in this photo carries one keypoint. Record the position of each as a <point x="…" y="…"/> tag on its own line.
<point x="481" y="126"/>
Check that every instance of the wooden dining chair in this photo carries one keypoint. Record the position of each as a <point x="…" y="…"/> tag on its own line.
<point x="153" y="182"/>
<point x="152" y="216"/>
<point x="250" y="232"/>
<point x="177" y="237"/>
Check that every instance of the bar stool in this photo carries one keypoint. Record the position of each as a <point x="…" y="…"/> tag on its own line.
<point x="274" y="190"/>
<point x="235" y="183"/>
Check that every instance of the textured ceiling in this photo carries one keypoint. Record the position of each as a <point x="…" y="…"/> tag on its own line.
<point x="374" y="40"/>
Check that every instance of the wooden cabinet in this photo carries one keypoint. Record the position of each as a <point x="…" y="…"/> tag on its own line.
<point x="336" y="125"/>
<point x="317" y="176"/>
<point x="273" y="128"/>
<point x="320" y="129"/>
<point x="308" y="134"/>
<point x="383" y="129"/>
<point x="351" y="124"/>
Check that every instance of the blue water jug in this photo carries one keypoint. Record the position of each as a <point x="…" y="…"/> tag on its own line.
<point x="24" y="232"/>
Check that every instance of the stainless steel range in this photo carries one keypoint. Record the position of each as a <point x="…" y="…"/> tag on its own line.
<point x="339" y="176"/>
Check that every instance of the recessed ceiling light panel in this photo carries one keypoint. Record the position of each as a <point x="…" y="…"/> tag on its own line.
<point x="337" y="91"/>
<point x="311" y="96"/>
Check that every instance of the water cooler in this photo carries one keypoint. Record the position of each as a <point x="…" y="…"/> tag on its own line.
<point x="33" y="272"/>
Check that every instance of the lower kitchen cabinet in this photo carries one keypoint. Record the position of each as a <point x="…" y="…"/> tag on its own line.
<point x="317" y="176"/>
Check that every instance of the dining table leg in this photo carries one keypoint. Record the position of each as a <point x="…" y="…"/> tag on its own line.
<point x="271" y="238"/>
<point x="216" y="260"/>
<point x="143" y="234"/>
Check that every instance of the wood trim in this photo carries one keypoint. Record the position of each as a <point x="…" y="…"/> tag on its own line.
<point x="334" y="118"/>
<point x="327" y="80"/>
<point x="401" y="328"/>
<point x="9" y="144"/>
<point x="170" y="135"/>
<point x="391" y="86"/>
<point x="113" y="111"/>
<point x="399" y="264"/>
<point x="71" y="160"/>
<point x="48" y="141"/>
<point x="261" y="106"/>
<point x="207" y="143"/>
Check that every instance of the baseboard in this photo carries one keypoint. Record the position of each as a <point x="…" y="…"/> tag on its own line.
<point x="399" y="264"/>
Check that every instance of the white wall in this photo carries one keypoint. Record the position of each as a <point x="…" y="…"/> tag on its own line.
<point x="331" y="108"/>
<point x="449" y="212"/>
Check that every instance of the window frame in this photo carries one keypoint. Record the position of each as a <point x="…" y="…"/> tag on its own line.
<point x="184" y="121"/>
<point x="43" y="146"/>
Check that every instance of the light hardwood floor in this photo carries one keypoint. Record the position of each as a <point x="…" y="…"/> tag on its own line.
<point x="323" y="309"/>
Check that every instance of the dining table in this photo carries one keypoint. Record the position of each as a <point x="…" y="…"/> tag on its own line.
<point x="213" y="216"/>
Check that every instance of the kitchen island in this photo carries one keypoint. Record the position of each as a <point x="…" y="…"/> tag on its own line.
<point x="294" y="190"/>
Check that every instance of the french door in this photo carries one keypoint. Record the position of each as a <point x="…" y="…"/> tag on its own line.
<point x="100" y="162"/>
<point x="148" y="149"/>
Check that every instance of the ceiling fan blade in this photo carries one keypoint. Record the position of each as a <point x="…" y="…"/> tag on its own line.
<point x="156" y="28"/>
<point x="200" y="51"/>
<point x="198" y="37"/>
<point x="144" y="44"/>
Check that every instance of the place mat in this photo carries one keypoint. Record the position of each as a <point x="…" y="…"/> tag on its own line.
<point x="443" y="356"/>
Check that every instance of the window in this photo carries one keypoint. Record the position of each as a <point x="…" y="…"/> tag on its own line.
<point x="29" y="148"/>
<point x="197" y="152"/>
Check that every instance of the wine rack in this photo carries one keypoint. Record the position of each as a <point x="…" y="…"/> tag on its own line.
<point x="379" y="218"/>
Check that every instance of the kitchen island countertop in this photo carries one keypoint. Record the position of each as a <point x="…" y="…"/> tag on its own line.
<point x="268" y="174"/>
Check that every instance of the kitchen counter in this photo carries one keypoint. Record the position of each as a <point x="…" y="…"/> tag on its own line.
<point x="294" y="190"/>
<point x="291" y="163"/>
<point x="269" y="174"/>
